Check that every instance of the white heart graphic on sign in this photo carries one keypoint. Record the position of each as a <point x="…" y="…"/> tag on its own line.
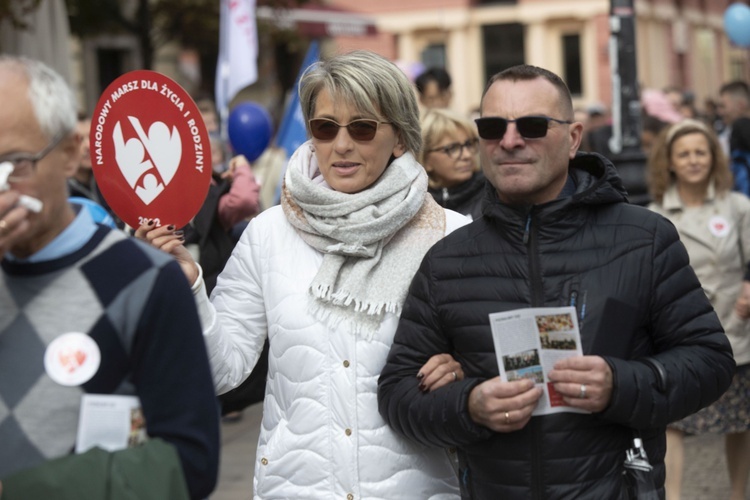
<point x="164" y="149"/>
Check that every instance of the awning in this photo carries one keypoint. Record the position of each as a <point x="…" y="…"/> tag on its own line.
<point x="318" y="21"/>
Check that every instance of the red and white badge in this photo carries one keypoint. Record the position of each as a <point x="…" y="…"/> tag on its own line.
<point x="150" y="150"/>
<point x="72" y="359"/>
<point x="719" y="226"/>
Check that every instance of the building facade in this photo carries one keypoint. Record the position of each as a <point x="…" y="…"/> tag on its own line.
<point x="680" y="43"/>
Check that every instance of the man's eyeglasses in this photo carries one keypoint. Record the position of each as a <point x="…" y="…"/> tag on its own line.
<point x="493" y="128"/>
<point x="24" y="164"/>
<point x="456" y="149"/>
<point x="363" y="129"/>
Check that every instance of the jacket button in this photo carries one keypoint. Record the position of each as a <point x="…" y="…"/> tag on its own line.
<point x="451" y="450"/>
<point x="264" y="461"/>
<point x="348" y="432"/>
<point x="349" y="497"/>
<point x="346" y="363"/>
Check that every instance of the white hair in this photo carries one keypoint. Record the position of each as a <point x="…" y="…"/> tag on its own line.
<point x="52" y="99"/>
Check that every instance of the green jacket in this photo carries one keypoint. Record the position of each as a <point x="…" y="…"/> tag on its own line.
<point x="149" y="471"/>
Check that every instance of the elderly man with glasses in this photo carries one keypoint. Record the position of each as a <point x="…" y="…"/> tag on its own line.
<point x="86" y="310"/>
<point x="556" y="230"/>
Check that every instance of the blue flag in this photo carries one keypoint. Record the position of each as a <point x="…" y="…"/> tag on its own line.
<point x="292" y="131"/>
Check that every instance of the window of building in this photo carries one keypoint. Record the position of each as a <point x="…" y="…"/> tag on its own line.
<point x="736" y="68"/>
<point x="503" y="47"/>
<point x="103" y="59"/>
<point x="433" y="56"/>
<point x="111" y="64"/>
<point x="571" y="46"/>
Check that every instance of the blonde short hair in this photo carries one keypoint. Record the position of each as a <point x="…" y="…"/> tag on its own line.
<point x="375" y="86"/>
<point x="438" y="123"/>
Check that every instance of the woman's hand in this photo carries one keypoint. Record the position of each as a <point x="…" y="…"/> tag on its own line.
<point x="169" y="240"/>
<point x="232" y="166"/>
<point x="440" y="370"/>
<point x="742" y="306"/>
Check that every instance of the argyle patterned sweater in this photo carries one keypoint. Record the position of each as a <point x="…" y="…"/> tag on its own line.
<point x="135" y="303"/>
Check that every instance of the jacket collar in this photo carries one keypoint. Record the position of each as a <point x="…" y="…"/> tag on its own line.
<point x="672" y="202"/>
<point x="459" y="194"/>
<point x="596" y="181"/>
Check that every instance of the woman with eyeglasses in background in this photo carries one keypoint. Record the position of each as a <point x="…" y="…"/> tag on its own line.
<point x="449" y="155"/>
<point x="323" y="276"/>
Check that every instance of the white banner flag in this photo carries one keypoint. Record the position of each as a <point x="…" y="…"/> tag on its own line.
<point x="237" y="66"/>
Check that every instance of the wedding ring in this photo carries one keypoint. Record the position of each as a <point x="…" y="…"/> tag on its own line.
<point x="582" y="394"/>
<point x="455" y="377"/>
<point x="3" y="227"/>
<point x="507" y="418"/>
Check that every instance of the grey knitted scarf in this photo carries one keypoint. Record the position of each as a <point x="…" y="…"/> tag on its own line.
<point x="373" y="241"/>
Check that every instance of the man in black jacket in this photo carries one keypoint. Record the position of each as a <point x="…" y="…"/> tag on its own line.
<point x="734" y="106"/>
<point x="556" y="231"/>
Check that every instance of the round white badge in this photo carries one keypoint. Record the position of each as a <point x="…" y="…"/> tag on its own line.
<point x="719" y="226"/>
<point x="72" y="359"/>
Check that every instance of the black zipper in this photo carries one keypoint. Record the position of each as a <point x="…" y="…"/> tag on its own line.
<point x="530" y="239"/>
<point x="537" y="486"/>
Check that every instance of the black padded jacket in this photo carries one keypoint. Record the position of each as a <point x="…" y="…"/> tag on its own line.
<point x="466" y="198"/>
<point x="626" y="272"/>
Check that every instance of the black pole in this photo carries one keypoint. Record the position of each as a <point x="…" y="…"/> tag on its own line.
<point x="625" y="142"/>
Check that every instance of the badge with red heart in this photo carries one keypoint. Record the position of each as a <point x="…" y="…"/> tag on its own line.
<point x="719" y="226"/>
<point x="72" y="359"/>
<point x="150" y="150"/>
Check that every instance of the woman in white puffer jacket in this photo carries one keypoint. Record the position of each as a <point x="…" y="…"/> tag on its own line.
<point x="323" y="277"/>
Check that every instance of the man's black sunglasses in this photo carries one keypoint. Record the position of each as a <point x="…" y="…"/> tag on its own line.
<point x="530" y="127"/>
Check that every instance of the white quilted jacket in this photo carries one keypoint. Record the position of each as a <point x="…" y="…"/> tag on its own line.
<point x="322" y="436"/>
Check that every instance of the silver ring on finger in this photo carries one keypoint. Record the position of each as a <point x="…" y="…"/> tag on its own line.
<point x="582" y="394"/>
<point x="455" y="376"/>
<point x="507" y="418"/>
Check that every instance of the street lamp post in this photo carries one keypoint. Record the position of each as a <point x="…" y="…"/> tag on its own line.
<point x="625" y="143"/>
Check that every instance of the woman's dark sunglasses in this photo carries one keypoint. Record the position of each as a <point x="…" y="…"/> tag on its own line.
<point x="530" y="127"/>
<point x="363" y="129"/>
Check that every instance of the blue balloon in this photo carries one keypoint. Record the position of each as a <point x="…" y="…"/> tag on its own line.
<point x="98" y="213"/>
<point x="737" y="24"/>
<point x="250" y="129"/>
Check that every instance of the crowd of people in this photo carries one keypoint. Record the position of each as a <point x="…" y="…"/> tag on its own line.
<point x="358" y="307"/>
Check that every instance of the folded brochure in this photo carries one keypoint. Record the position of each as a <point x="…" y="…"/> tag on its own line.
<point x="528" y="343"/>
